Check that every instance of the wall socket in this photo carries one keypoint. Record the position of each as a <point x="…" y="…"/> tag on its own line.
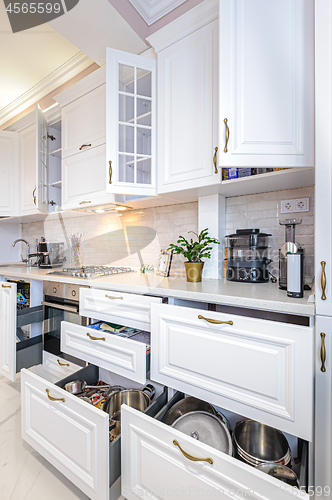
<point x="290" y="206"/>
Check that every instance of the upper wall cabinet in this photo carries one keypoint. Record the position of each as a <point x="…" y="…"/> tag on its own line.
<point x="9" y="173"/>
<point x="266" y="83"/>
<point x="130" y="124"/>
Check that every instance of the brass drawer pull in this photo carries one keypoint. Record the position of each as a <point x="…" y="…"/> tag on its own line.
<point x="226" y="135"/>
<point x="54" y="399"/>
<point x="323" y="352"/>
<point x="215" y="160"/>
<point x="95" y="338"/>
<point x="84" y="146"/>
<point x="113" y="298"/>
<point x="6" y="286"/>
<point x="323" y="280"/>
<point x="34" y="196"/>
<point x="215" y="321"/>
<point x="110" y="164"/>
<point x="62" y="364"/>
<point x="84" y="202"/>
<point x="190" y="457"/>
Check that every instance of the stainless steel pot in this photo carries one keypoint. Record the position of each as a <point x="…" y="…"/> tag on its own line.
<point x="187" y="405"/>
<point x="281" y="472"/>
<point x="135" y="398"/>
<point x="80" y="386"/>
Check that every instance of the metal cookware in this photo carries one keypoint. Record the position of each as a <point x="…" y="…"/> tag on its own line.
<point x="256" y="444"/>
<point x="280" y="472"/>
<point x="187" y="405"/>
<point x="135" y="398"/>
<point x="80" y="386"/>
<point x="206" y="428"/>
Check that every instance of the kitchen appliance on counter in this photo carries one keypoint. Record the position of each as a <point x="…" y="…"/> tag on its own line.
<point x="289" y="247"/>
<point x="90" y="272"/>
<point x="49" y="254"/>
<point x="247" y="256"/>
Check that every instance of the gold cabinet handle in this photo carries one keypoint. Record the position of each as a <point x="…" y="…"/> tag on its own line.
<point x="62" y="364"/>
<point x="190" y="457"/>
<point x="54" y="399"/>
<point x="84" y="202"/>
<point x="110" y="297"/>
<point x="323" y="280"/>
<point x="6" y="286"/>
<point x="110" y="164"/>
<point x="95" y="338"/>
<point x="84" y="146"/>
<point x="215" y="321"/>
<point x="34" y="196"/>
<point x="226" y="135"/>
<point x="323" y="352"/>
<point x="215" y="160"/>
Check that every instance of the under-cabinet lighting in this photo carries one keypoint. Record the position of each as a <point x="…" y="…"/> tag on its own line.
<point x="120" y="208"/>
<point x="99" y="211"/>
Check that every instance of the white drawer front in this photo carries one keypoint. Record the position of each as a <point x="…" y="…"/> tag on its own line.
<point x="257" y="368"/>
<point x="126" y="309"/>
<point x="154" y="468"/>
<point x="71" y="435"/>
<point x="60" y="367"/>
<point x="119" y="355"/>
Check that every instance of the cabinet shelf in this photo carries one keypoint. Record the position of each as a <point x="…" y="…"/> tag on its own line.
<point x="56" y="153"/>
<point x="56" y="184"/>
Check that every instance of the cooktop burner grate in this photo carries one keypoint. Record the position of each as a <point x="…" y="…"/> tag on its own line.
<point x="91" y="271"/>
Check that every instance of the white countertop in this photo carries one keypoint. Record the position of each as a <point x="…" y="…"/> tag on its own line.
<point x="264" y="296"/>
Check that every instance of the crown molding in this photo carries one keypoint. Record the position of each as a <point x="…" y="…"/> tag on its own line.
<point x="68" y="70"/>
<point x="152" y="10"/>
<point x="191" y="21"/>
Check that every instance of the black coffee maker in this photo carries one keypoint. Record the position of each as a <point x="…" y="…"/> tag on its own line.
<point x="49" y="254"/>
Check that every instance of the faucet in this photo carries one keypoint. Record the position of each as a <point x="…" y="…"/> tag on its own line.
<point x="27" y="260"/>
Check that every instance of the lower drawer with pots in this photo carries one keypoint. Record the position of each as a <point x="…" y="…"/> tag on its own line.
<point x="72" y="434"/>
<point x="125" y="356"/>
<point x="160" y="461"/>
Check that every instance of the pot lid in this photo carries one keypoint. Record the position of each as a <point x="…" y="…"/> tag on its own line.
<point x="206" y="428"/>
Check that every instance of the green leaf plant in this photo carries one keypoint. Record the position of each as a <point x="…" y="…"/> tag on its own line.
<point x="194" y="251"/>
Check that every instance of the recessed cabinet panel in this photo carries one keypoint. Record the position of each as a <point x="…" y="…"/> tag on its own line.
<point x="267" y="83"/>
<point x="154" y="468"/>
<point x="84" y="123"/>
<point x="70" y="434"/>
<point x="188" y="111"/>
<point x="257" y="368"/>
<point x="28" y="186"/>
<point x="9" y="173"/>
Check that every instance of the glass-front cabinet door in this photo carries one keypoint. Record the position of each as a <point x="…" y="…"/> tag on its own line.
<point x="130" y="124"/>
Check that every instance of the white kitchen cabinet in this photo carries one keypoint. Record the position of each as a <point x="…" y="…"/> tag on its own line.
<point x="130" y="124"/>
<point x="257" y="368"/>
<point x="266" y="83"/>
<point x="9" y="173"/>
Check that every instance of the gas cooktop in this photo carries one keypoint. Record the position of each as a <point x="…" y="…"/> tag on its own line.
<point x="90" y="272"/>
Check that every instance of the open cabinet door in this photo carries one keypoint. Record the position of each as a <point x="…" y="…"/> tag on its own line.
<point x="41" y="194"/>
<point x="8" y="330"/>
<point x="130" y="124"/>
<point x="9" y="173"/>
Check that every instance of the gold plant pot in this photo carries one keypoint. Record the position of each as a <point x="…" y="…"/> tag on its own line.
<point x="194" y="271"/>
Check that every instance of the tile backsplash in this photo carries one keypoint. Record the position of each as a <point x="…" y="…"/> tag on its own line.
<point x="136" y="237"/>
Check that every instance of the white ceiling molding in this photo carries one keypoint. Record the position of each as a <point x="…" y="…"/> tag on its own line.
<point x="152" y="10"/>
<point x="68" y="70"/>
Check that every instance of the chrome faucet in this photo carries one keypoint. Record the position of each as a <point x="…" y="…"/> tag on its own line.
<point x="27" y="260"/>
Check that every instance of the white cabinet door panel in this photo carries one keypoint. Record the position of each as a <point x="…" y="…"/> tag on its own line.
<point x="128" y="309"/>
<point x="188" y="111"/>
<point x="8" y="330"/>
<point x="9" y="173"/>
<point x="267" y="83"/>
<point x="42" y="165"/>
<point x="119" y="355"/>
<point x="257" y="368"/>
<point x="28" y="184"/>
<point x="70" y="434"/>
<point x="154" y="468"/>
<point x="84" y="123"/>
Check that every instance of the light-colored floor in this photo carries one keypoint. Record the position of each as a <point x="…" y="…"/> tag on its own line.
<point x="24" y="474"/>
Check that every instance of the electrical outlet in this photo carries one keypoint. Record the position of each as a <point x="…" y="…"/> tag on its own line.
<point x="287" y="206"/>
<point x="291" y="206"/>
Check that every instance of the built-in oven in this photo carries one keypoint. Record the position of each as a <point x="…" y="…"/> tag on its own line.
<point x="60" y="303"/>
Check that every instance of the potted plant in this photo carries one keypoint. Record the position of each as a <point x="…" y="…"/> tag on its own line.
<point x="194" y="252"/>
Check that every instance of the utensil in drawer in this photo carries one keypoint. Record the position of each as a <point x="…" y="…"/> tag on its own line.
<point x="206" y="428"/>
<point x="79" y="386"/>
<point x="187" y="405"/>
<point x="280" y="472"/>
<point x="135" y="398"/>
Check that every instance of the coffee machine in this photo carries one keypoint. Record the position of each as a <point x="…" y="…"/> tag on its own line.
<point x="289" y="247"/>
<point x="49" y="254"/>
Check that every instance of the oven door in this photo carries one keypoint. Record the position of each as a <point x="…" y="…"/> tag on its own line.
<point x="54" y="312"/>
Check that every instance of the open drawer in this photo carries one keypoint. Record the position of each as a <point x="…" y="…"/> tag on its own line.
<point x="127" y="309"/>
<point x="153" y="467"/>
<point x="71" y="434"/>
<point x="20" y="333"/>
<point x="123" y="356"/>
<point x="258" y="368"/>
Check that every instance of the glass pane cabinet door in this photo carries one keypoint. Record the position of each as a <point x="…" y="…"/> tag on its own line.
<point x="130" y="124"/>
<point x="41" y="192"/>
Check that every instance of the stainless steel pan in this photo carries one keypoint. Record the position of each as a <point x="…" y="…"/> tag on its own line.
<point x="80" y="386"/>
